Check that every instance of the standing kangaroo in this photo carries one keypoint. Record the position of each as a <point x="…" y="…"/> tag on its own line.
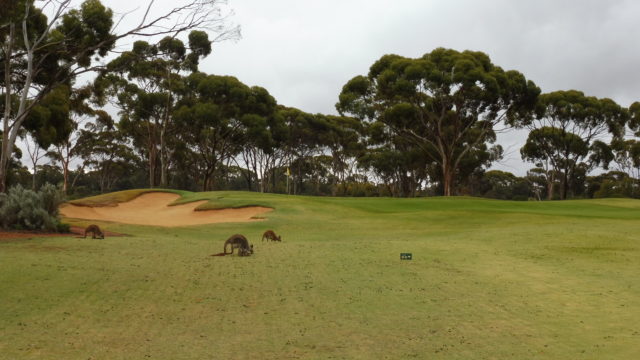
<point x="241" y="243"/>
<point x="270" y="235"/>
<point x="95" y="232"/>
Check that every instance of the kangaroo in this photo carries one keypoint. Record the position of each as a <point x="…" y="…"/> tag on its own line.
<point x="95" y="231"/>
<point x="241" y="243"/>
<point x="270" y="235"/>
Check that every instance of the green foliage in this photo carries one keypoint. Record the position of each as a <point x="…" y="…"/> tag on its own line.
<point x="85" y="32"/>
<point x="219" y="116"/>
<point x="147" y="83"/>
<point x="614" y="184"/>
<point x="567" y="127"/>
<point x="50" y="121"/>
<point x="634" y="122"/>
<point x="23" y="209"/>
<point x="63" y="228"/>
<point x="446" y="102"/>
<point x="503" y="185"/>
<point x="51" y="198"/>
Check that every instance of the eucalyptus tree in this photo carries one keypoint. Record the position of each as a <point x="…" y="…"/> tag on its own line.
<point x="569" y="126"/>
<point x="47" y="124"/>
<point x="302" y="142"/>
<point x="446" y="102"/>
<point x="105" y="150"/>
<point x="343" y="137"/>
<point x="626" y="155"/>
<point x="216" y="115"/>
<point x="393" y="160"/>
<point x="634" y="122"/>
<point x="263" y="149"/>
<point x="399" y="167"/>
<point x="39" y="53"/>
<point x="146" y="82"/>
<point x="552" y="149"/>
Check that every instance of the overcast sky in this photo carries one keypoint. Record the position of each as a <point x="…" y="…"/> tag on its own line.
<point x="303" y="52"/>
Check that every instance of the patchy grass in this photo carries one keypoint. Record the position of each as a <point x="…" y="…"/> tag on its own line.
<point x="488" y="280"/>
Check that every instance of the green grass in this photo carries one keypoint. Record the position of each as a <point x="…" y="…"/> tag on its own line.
<point x="488" y="280"/>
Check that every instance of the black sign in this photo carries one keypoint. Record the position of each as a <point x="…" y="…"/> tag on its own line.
<point x="405" y="256"/>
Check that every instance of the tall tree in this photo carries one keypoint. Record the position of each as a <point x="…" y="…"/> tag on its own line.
<point x="215" y="115"/>
<point x="446" y="102"/>
<point x="569" y="124"/>
<point x="263" y="148"/>
<point x="145" y="82"/>
<point x="40" y="53"/>
<point x="634" y="122"/>
<point x="553" y="150"/>
<point x="343" y="139"/>
<point x="71" y="143"/>
<point x="107" y="152"/>
<point x="627" y="157"/>
<point x="302" y="142"/>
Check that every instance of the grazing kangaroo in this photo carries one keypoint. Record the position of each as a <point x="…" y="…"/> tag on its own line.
<point x="95" y="231"/>
<point x="270" y="235"/>
<point x="241" y="243"/>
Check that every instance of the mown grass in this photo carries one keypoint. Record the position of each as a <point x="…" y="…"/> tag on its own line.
<point x="488" y="280"/>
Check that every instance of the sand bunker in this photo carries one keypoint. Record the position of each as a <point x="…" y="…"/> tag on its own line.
<point x="153" y="209"/>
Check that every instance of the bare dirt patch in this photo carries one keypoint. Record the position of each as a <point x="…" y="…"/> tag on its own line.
<point x="7" y="236"/>
<point x="153" y="209"/>
<point x="76" y="231"/>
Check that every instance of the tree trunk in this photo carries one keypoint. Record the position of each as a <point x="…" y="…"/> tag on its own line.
<point x="565" y="185"/>
<point x="4" y="150"/>
<point x="33" y="178"/>
<point x="22" y="108"/>
<point x="4" y="165"/>
<point x="65" y="177"/>
<point x="447" y="178"/>
<point x="163" y="129"/>
<point x="550" y="186"/>
<point x="152" y="165"/>
<point x="163" y="161"/>
<point x="247" y="176"/>
<point x="208" y="176"/>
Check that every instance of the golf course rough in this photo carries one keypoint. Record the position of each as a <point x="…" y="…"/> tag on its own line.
<point x="488" y="279"/>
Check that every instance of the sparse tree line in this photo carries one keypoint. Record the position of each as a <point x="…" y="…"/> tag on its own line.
<point x="410" y="127"/>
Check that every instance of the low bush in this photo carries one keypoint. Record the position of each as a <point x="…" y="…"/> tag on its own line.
<point x="23" y="209"/>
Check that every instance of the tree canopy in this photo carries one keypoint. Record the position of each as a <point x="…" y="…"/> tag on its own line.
<point x="447" y="102"/>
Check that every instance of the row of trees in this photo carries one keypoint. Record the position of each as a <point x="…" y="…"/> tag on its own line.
<point x="424" y="126"/>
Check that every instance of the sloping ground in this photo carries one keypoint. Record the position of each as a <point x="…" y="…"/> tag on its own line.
<point x="488" y="279"/>
<point x="153" y="209"/>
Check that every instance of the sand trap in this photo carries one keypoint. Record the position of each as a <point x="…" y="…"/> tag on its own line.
<point x="153" y="209"/>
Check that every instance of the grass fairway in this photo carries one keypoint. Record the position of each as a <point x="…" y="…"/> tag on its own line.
<point x="488" y="280"/>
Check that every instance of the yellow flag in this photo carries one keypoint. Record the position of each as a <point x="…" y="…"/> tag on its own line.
<point x="288" y="172"/>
